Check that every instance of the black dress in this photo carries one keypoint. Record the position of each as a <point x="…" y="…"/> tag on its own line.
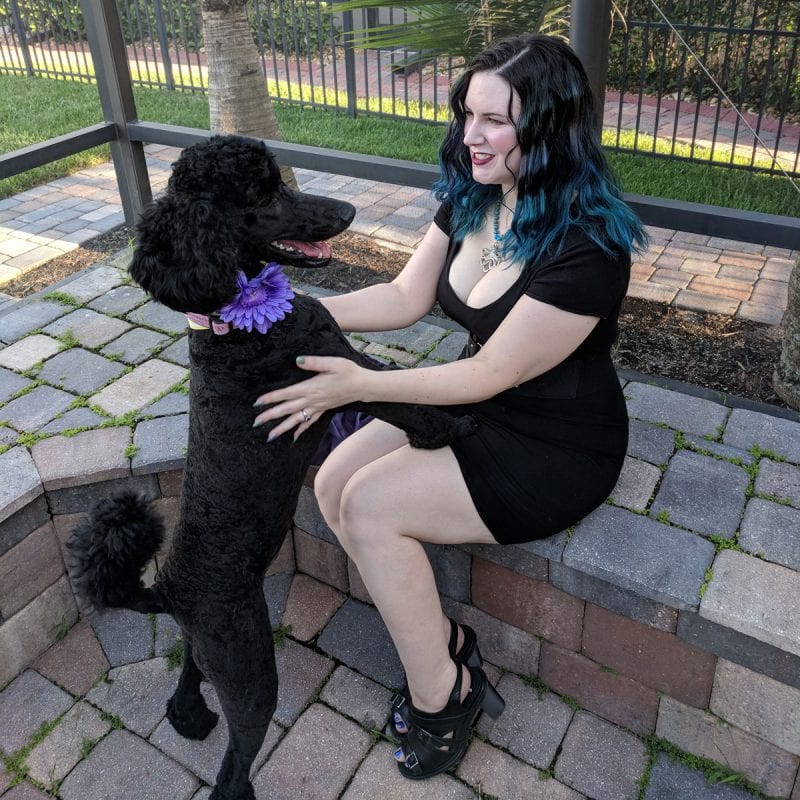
<point x="549" y="451"/>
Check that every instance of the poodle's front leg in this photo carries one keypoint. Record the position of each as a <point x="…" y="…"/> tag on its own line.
<point x="427" y="427"/>
<point x="186" y="709"/>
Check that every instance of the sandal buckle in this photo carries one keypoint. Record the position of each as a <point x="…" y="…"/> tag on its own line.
<point x="423" y="735"/>
<point x="411" y="760"/>
<point x="398" y="701"/>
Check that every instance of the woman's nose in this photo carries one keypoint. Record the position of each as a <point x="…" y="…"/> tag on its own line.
<point x="471" y="134"/>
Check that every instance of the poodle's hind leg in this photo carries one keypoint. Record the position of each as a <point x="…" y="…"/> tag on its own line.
<point x="242" y="670"/>
<point x="186" y="709"/>
<point x="244" y="742"/>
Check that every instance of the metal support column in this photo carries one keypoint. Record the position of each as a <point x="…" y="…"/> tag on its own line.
<point x="104" y="31"/>
<point x="590" y="27"/>
<point x="349" y="62"/>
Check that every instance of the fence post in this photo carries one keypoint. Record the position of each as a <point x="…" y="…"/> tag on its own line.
<point x="109" y="55"/>
<point x="16" y="20"/>
<point x="163" y="43"/>
<point x="590" y="27"/>
<point x="349" y="62"/>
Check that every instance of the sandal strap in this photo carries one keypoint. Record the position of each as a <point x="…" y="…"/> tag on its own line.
<point x="436" y="742"/>
<point x="428" y="738"/>
<point x="429" y="744"/>
<point x="401" y="706"/>
<point x="468" y="653"/>
<point x="451" y="645"/>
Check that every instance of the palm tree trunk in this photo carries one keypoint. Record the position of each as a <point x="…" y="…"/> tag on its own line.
<point x="237" y="91"/>
<point x="786" y="379"/>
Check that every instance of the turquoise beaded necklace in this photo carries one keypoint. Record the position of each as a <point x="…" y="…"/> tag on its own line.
<point x="492" y="256"/>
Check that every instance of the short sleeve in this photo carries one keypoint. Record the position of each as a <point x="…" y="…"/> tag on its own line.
<point x="582" y="278"/>
<point x="442" y="218"/>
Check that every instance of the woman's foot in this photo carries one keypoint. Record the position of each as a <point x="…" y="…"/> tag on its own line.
<point x="463" y="649"/>
<point x="435" y="742"/>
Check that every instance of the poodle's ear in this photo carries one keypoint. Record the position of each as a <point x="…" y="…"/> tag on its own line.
<point x="182" y="258"/>
<point x="233" y="170"/>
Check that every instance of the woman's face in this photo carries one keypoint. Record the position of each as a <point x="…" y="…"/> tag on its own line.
<point x="489" y="133"/>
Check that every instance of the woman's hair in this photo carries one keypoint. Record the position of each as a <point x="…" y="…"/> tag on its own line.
<point x="564" y="178"/>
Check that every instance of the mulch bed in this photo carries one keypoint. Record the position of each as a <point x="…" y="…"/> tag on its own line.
<point x="733" y="356"/>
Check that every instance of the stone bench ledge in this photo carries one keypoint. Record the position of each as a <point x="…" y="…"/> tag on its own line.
<point x="654" y="553"/>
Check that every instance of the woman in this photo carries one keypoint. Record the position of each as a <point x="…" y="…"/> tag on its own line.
<point x="530" y="252"/>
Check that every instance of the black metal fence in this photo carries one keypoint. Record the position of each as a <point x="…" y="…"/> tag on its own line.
<point x="659" y="100"/>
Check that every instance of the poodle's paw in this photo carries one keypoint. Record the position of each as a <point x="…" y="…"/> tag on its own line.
<point x="452" y="429"/>
<point x="192" y="723"/>
<point x="242" y="792"/>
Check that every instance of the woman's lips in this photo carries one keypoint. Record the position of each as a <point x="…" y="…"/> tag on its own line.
<point x="481" y="158"/>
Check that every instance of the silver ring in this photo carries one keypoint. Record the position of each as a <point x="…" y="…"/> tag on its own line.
<point x="306" y="416"/>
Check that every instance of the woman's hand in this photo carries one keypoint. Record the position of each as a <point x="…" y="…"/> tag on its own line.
<point x="300" y="405"/>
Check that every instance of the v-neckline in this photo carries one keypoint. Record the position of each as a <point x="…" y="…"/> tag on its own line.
<point x="456" y="249"/>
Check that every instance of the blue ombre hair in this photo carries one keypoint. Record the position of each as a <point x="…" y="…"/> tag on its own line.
<point x="564" y="178"/>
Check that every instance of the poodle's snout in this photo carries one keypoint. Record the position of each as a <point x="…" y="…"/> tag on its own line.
<point x="347" y="213"/>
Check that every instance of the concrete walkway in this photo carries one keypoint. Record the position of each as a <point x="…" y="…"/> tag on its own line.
<point x="687" y="270"/>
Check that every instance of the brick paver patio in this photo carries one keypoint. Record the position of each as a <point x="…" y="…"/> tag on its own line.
<point x="692" y="271"/>
<point x="84" y="718"/>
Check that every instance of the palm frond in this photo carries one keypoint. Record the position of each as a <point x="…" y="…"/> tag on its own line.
<point x="457" y="28"/>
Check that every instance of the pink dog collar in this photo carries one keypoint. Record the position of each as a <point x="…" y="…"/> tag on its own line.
<point x="203" y="322"/>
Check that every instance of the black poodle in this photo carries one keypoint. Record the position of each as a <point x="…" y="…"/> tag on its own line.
<point x="201" y="250"/>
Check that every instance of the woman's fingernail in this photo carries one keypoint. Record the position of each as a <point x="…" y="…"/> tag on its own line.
<point x="257" y="403"/>
<point x="300" y="360"/>
<point x="258" y="422"/>
<point x="271" y="435"/>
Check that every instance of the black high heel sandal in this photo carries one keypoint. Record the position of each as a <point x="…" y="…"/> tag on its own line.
<point x="436" y="742"/>
<point x="468" y="654"/>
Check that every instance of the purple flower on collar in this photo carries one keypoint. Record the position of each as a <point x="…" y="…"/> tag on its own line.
<point x="261" y="301"/>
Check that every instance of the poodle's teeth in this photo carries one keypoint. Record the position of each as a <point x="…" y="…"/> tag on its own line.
<point x="285" y="248"/>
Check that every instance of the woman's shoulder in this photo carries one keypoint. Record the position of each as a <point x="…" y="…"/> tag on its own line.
<point x="442" y="217"/>
<point x="580" y="276"/>
<point x="580" y="248"/>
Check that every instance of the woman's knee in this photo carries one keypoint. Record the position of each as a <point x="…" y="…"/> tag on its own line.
<point x="328" y="486"/>
<point x="359" y="515"/>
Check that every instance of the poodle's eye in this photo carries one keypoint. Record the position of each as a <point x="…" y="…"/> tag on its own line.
<point x="250" y="219"/>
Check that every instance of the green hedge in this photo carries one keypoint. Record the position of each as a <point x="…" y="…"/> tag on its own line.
<point x="296" y="27"/>
<point x="752" y="68"/>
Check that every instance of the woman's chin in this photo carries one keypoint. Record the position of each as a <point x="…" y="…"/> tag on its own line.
<point x="481" y="176"/>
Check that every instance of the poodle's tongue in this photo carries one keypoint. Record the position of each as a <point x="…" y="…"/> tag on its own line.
<point x="310" y="249"/>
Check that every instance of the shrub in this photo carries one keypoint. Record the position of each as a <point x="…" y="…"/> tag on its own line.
<point x="744" y="45"/>
<point x="293" y="27"/>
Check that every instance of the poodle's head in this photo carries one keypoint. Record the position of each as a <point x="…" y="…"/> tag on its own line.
<point x="227" y="210"/>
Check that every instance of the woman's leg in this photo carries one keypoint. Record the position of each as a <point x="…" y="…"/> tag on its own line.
<point x="367" y="444"/>
<point x="392" y="498"/>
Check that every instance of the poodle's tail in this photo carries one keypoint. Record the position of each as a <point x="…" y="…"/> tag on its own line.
<point x="108" y="552"/>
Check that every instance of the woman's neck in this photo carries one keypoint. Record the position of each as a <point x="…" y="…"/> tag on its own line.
<point x="509" y="195"/>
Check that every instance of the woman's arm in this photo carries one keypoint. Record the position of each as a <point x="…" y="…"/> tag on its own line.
<point x="532" y="339"/>
<point x="390" y="306"/>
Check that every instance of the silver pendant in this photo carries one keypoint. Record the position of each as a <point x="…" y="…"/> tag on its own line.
<point x="490" y="257"/>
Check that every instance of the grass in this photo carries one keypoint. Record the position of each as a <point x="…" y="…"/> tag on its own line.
<point x="715" y="773"/>
<point x="56" y="107"/>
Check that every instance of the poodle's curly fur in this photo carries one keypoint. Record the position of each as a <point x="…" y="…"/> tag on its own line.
<point x="224" y="210"/>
